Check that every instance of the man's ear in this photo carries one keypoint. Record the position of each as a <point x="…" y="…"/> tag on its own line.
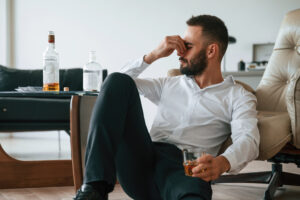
<point x="212" y="50"/>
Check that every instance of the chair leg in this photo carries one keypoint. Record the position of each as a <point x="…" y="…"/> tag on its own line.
<point x="275" y="182"/>
<point x="274" y="179"/>
<point x="255" y="177"/>
<point x="290" y="179"/>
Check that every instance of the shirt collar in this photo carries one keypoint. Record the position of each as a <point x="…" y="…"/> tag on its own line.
<point x="228" y="80"/>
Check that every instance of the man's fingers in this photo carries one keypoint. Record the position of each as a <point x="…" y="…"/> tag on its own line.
<point x="205" y="168"/>
<point x="204" y="163"/>
<point x="202" y="167"/>
<point x="207" y="158"/>
<point x="207" y="174"/>
<point x="208" y="168"/>
<point x="179" y="42"/>
<point x="175" y="45"/>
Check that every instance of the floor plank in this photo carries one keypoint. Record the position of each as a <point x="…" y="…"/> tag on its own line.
<point x="18" y="194"/>
<point x="2" y="197"/>
<point x="51" y="193"/>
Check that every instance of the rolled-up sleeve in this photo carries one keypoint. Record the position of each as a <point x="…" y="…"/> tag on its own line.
<point x="244" y="131"/>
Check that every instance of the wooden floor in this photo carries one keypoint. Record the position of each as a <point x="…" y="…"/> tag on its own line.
<point x="220" y="192"/>
<point x="36" y="146"/>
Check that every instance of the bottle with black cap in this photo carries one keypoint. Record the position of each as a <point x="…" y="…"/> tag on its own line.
<point x="241" y="66"/>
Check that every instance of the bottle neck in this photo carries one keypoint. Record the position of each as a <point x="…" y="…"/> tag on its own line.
<point x="92" y="57"/>
<point x="92" y="60"/>
<point x="51" y="45"/>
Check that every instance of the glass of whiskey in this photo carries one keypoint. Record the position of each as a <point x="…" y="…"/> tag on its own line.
<point x="190" y="161"/>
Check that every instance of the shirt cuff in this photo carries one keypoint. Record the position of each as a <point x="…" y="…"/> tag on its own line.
<point x="233" y="162"/>
<point x="143" y="63"/>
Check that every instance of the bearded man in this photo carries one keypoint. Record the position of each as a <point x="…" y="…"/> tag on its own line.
<point x="197" y="110"/>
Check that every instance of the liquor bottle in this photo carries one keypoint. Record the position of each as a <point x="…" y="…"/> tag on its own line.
<point x="92" y="74"/>
<point x="51" y="66"/>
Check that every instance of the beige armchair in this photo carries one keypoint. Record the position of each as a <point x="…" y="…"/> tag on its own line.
<point x="278" y="97"/>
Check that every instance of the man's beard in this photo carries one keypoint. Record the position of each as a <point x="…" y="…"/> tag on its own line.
<point x="196" y="66"/>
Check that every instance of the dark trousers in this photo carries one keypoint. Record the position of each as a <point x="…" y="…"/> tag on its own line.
<point x="119" y="146"/>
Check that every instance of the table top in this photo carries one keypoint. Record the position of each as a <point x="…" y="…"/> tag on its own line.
<point x="43" y="94"/>
<point x="244" y="73"/>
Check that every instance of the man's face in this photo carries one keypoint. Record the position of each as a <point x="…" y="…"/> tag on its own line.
<point x="194" y="62"/>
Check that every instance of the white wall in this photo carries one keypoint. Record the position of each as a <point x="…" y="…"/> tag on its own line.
<point x="3" y="32"/>
<point x="120" y="30"/>
<point x="126" y="29"/>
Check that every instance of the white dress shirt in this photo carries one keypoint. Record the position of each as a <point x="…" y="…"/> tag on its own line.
<point x="201" y="119"/>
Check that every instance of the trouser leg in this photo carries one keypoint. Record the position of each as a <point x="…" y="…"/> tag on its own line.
<point x="119" y="142"/>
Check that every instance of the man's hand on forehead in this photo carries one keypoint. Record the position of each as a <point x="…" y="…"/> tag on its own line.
<point x="176" y="43"/>
<point x="167" y="47"/>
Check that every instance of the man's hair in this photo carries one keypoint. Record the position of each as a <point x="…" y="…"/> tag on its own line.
<point x="213" y="28"/>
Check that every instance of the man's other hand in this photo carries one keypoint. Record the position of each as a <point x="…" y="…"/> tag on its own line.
<point x="210" y="168"/>
<point x="166" y="48"/>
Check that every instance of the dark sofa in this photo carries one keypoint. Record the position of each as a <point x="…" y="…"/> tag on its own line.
<point x="12" y="78"/>
<point x="31" y="112"/>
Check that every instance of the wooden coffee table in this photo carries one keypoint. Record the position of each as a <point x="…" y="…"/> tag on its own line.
<point x="17" y="114"/>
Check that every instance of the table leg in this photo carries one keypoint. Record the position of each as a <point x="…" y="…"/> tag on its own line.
<point x="43" y="173"/>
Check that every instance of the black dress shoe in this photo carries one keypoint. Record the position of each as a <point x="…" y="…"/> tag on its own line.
<point x="87" y="192"/>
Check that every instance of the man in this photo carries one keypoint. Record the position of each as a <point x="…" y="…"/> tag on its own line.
<point x="197" y="111"/>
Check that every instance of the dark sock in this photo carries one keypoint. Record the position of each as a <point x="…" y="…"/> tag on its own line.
<point x="100" y="186"/>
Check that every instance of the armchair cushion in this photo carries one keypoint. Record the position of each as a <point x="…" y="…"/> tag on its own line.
<point x="275" y="132"/>
<point x="293" y="105"/>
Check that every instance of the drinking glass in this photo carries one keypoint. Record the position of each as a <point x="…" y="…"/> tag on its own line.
<point x="190" y="161"/>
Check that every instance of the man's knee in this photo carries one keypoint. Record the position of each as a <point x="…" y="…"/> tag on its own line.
<point x="119" y="77"/>
<point x="118" y="80"/>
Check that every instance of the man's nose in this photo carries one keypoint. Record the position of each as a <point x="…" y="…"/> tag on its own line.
<point x="181" y="54"/>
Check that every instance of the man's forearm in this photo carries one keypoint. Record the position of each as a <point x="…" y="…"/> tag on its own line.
<point x="150" y="58"/>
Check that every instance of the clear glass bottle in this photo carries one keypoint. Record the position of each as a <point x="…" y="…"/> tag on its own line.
<point x="92" y="74"/>
<point x="51" y="66"/>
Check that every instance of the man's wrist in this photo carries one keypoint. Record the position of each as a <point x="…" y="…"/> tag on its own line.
<point x="149" y="58"/>
<point x="225" y="164"/>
